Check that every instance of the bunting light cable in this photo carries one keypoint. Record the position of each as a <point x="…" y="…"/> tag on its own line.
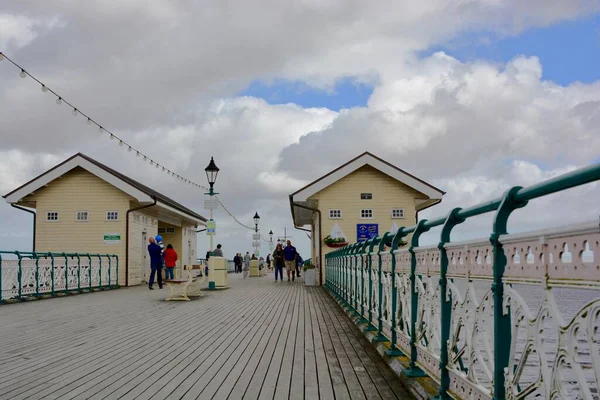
<point x="122" y="143"/>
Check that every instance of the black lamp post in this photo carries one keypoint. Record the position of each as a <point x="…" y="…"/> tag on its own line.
<point x="256" y="219"/>
<point x="211" y="174"/>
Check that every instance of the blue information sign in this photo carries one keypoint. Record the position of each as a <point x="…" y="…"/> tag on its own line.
<point x="366" y="231"/>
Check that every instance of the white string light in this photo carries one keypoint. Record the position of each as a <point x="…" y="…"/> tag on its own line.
<point x="76" y="111"/>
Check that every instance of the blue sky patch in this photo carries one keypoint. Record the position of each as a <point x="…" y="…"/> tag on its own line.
<point x="569" y="51"/>
<point x="346" y="94"/>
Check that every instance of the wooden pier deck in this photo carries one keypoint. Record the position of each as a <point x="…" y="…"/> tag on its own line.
<point x="257" y="340"/>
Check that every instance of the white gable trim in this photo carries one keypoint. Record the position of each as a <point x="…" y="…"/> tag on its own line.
<point x="367" y="159"/>
<point x="78" y="161"/>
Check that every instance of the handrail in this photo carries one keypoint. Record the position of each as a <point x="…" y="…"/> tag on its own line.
<point x="424" y="286"/>
<point x="35" y="274"/>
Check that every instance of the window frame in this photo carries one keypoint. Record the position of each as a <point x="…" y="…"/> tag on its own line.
<point x="113" y="219"/>
<point x="401" y="212"/>
<point x="366" y="209"/>
<point x="87" y="216"/>
<point x="52" y="220"/>
<point x="333" y="210"/>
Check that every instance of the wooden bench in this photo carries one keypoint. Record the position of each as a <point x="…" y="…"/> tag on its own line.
<point x="184" y="288"/>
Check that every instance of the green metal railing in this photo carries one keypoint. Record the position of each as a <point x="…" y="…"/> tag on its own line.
<point x="34" y="274"/>
<point x="463" y="313"/>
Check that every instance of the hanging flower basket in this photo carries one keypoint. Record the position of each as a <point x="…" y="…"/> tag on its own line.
<point x="337" y="242"/>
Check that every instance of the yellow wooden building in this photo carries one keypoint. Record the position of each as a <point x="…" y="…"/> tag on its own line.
<point x="363" y="198"/>
<point x="83" y="206"/>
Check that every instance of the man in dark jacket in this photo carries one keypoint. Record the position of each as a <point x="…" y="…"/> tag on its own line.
<point x="156" y="263"/>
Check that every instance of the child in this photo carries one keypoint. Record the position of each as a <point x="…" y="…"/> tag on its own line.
<point x="159" y="242"/>
<point x="170" y="257"/>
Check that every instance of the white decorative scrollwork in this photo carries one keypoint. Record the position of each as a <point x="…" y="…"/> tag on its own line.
<point x="470" y="348"/>
<point x="549" y="358"/>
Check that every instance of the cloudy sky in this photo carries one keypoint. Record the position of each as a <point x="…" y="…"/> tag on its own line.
<point x="473" y="96"/>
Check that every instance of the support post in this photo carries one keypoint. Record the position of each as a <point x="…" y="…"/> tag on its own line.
<point x="502" y="327"/>
<point x="413" y="371"/>
<point x="370" y="244"/>
<point x="380" y="336"/>
<point x="394" y="351"/>
<point x="445" y="302"/>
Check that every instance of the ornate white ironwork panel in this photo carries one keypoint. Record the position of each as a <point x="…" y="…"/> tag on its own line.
<point x="84" y="274"/>
<point x="565" y="256"/>
<point x="45" y="275"/>
<point x="551" y="358"/>
<point x="470" y="348"/>
<point x="114" y="273"/>
<point x="95" y="266"/>
<point x="428" y="332"/>
<point x="72" y="270"/>
<point x="386" y="262"/>
<point x="28" y="285"/>
<point x="428" y="261"/>
<point x="403" y="312"/>
<point x="374" y="294"/>
<point x="60" y="266"/>
<point x="10" y="278"/>
<point x="386" y="309"/>
<point x="470" y="259"/>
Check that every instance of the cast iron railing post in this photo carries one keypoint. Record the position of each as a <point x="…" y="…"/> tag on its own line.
<point x="394" y="351"/>
<point x="380" y="336"/>
<point x="413" y="371"/>
<point x="445" y="302"/>
<point x="369" y="245"/>
<point x="502" y="327"/>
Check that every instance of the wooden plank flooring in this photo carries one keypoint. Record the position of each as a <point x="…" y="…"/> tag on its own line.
<point x="257" y="340"/>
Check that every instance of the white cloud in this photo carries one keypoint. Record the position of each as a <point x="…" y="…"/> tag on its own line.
<point x="164" y="77"/>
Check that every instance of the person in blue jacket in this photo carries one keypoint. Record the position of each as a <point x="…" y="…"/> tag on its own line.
<point x="156" y="263"/>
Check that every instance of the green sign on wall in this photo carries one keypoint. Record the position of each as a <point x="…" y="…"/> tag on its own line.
<point x="112" y="238"/>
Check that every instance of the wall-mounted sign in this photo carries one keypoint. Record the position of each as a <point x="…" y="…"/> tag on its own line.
<point x="366" y="231"/>
<point x="211" y="204"/>
<point x="366" y="196"/>
<point x="112" y="238"/>
<point x="211" y="228"/>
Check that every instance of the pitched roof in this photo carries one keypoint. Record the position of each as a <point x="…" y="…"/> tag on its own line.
<point x="85" y="162"/>
<point x="383" y="166"/>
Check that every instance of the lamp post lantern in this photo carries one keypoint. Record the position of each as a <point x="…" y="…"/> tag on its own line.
<point x="211" y="174"/>
<point x="256" y="236"/>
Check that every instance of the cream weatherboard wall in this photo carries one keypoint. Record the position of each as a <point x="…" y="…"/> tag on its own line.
<point x="65" y="196"/>
<point x="345" y="194"/>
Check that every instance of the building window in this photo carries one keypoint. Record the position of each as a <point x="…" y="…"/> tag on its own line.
<point x="136" y="217"/>
<point x="170" y="231"/>
<point x="52" y="216"/>
<point x="112" y="215"/>
<point x="366" y="213"/>
<point x="335" y="214"/>
<point x="397" y="212"/>
<point x="82" y="216"/>
<point x="161" y="231"/>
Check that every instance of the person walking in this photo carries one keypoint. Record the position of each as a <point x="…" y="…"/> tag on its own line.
<point x="246" y="264"/>
<point x="170" y="256"/>
<point x="237" y="262"/>
<point x="268" y="261"/>
<point x="299" y="262"/>
<point x="289" y="256"/>
<point x="156" y="262"/>
<point x="278" y="261"/>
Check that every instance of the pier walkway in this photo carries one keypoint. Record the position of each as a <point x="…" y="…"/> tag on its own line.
<point x="257" y="340"/>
